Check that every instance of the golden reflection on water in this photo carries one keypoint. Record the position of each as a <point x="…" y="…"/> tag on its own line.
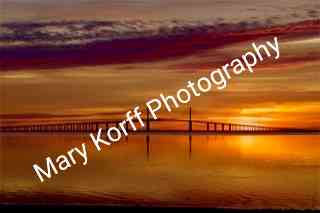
<point x="241" y="171"/>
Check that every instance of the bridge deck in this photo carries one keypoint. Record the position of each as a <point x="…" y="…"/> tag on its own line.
<point x="192" y="126"/>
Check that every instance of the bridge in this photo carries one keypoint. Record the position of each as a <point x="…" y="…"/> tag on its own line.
<point x="200" y="126"/>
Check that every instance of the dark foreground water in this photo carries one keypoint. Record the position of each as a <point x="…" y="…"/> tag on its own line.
<point x="275" y="171"/>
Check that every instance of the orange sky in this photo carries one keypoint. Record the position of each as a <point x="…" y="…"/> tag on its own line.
<point x="276" y="94"/>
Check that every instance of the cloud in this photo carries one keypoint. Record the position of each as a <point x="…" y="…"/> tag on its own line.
<point x="83" y="43"/>
<point x="64" y="33"/>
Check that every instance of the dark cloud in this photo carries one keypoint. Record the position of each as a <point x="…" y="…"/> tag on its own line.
<point x="67" y="44"/>
<point x="80" y="32"/>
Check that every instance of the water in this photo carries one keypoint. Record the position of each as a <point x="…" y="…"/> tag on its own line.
<point x="239" y="171"/>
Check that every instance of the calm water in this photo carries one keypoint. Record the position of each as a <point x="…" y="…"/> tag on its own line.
<point x="278" y="171"/>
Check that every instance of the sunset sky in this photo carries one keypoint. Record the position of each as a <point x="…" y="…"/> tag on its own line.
<point x="94" y="58"/>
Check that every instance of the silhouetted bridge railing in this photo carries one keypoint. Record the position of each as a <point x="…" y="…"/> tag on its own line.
<point x="191" y="126"/>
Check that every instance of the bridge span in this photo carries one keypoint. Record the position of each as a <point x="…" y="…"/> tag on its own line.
<point x="151" y="125"/>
